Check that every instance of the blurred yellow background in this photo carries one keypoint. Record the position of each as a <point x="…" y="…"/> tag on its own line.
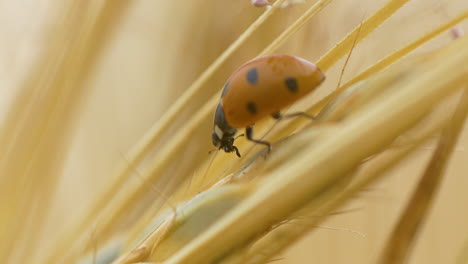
<point x="158" y="48"/>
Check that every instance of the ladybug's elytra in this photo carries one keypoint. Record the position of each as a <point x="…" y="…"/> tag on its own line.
<point x="260" y="88"/>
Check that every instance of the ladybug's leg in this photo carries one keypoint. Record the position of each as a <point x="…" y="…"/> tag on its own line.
<point x="249" y="133"/>
<point x="279" y="116"/>
<point x="237" y="151"/>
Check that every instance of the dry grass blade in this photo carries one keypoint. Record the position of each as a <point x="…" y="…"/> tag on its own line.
<point x="401" y="240"/>
<point x="367" y="132"/>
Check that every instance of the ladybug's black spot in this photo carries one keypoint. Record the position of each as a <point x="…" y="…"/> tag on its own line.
<point x="225" y="89"/>
<point x="252" y="76"/>
<point x="291" y="84"/>
<point x="251" y="107"/>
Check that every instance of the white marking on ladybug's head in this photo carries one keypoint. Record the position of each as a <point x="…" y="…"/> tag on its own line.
<point x="218" y="132"/>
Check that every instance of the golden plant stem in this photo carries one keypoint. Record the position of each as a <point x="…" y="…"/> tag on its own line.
<point x="321" y="207"/>
<point x="375" y="127"/>
<point x="402" y="238"/>
<point x="142" y="148"/>
<point x="382" y="64"/>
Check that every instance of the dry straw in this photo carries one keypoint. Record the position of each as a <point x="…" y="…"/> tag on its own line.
<point x="227" y="210"/>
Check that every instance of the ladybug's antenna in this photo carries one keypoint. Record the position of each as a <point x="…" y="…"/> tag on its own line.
<point x="235" y="148"/>
<point x="241" y="135"/>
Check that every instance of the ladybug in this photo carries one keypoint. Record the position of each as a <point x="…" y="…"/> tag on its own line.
<point x="260" y="88"/>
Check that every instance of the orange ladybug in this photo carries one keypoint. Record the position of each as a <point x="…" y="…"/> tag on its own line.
<point x="261" y="88"/>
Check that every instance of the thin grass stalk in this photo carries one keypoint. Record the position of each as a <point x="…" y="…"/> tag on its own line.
<point x="361" y="135"/>
<point x="401" y="241"/>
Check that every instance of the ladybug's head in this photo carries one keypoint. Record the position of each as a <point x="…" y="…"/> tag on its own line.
<point x="223" y="134"/>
